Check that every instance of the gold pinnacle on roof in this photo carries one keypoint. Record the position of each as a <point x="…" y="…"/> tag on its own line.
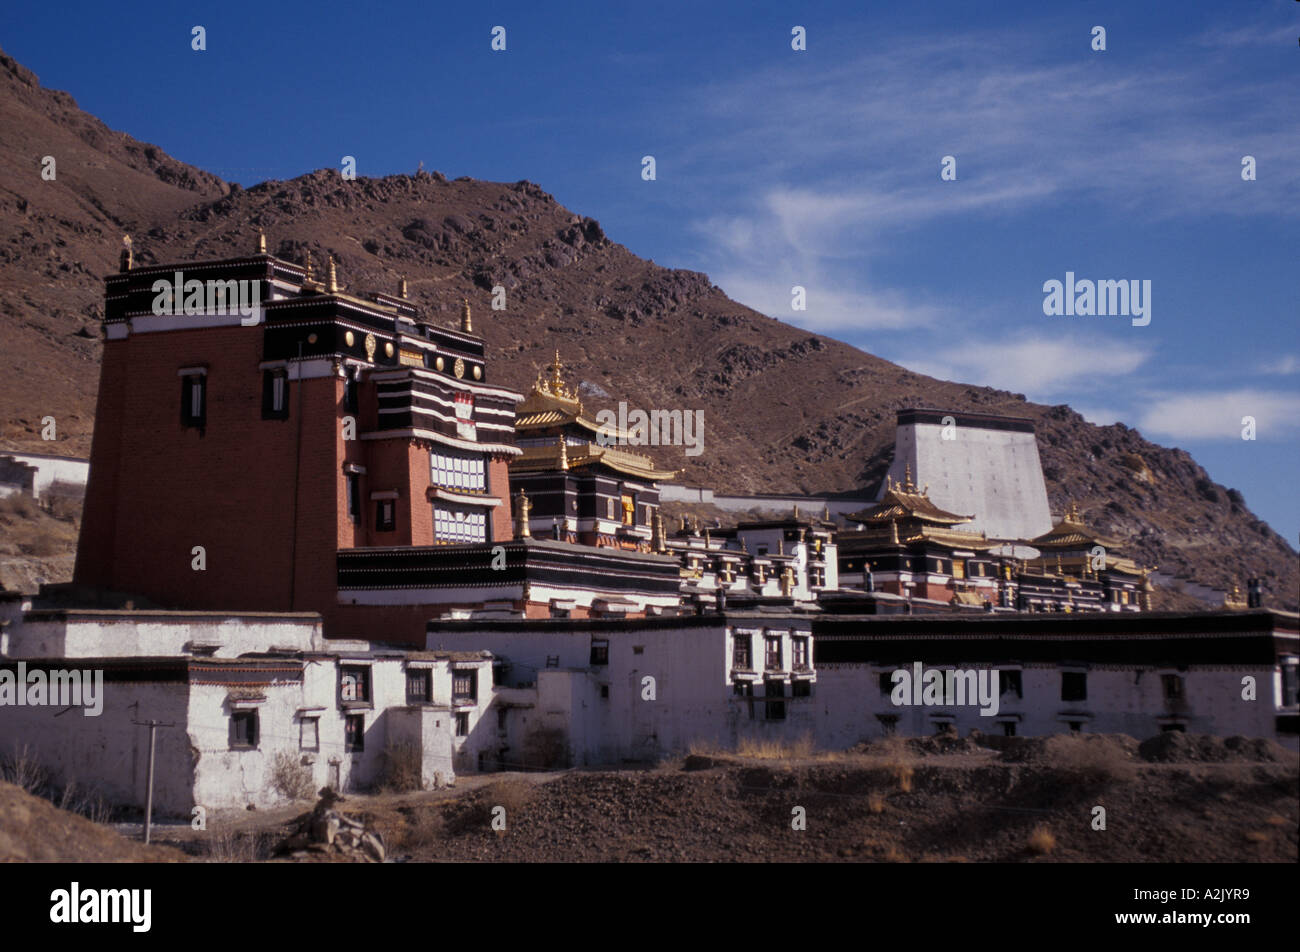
<point x="893" y="531"/>
<point x="466" y="324"/>
<point x="564" y="454"/>
<point x="308" y="265"/>
<point x="908" y="485"/>
<point x="261" y="242"/>
<point x="401" y="288"/>
<point x="826" y="513"/>
<point x="1072" y="512"/>
<point x="125" y="262"/>
<point x="333" y="276"/>
<point x="796" y="511"/>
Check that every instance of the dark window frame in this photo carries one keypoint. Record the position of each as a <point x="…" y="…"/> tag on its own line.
<point x="189" y="382"/>
<point x="771" y="649"/>
<point x="353" y="481"/>
<point x="248" y="732"/>
<point x="462" y="723"/>
<point x="599" y="652"/>
<point x="269" y="410"/>
<point x="382" y="523"/>
<point x="365" y="696"/>
<point x="459" y="679"/>
<point x="1074" y="685"/>
<point x="354" y="733"/>
<point x="424" y="678"/>
<point x="742" y="652"/>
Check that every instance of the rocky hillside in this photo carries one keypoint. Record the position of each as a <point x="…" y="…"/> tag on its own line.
<point x="784" y="409"/>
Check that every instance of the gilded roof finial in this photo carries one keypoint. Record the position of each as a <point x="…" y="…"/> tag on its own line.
<point x="796" y="511"/>
<point x="893" y="531"/>
<point x="521" y="530"/>
<point x="124" y="264"/>
<point x="908" y="485"/>
<point x="826" y="512"/>
<point x="564" y="454"/>
<point x="1072" y="512"/>
<point x="308" y="265"/>
<point x="557" y="380"/>
<point x="333" y="276"/>
<point x="466" y="324"/>
<point x="261" y="242"/>
<point x="401" y="288"/>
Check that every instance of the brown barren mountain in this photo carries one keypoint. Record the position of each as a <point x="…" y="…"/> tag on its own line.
<point x="784" y="409"/>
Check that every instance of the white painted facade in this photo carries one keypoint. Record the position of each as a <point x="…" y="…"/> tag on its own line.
<point x="993" y="474"/>
<point x="68" y="471"/>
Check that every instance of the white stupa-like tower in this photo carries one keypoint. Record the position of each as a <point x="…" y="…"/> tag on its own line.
<point x="976" y="463"/>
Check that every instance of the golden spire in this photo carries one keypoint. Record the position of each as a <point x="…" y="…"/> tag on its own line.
<point x="124" y="263"/>
<point x="557" y="379"/>
<point x="401" y="288"/>
<point x="333" y="276"/>
<point x="261" y="242"/>
<point x="908" y="485"/>
<point x="466" y="324"/>
<point x="893" y="531"/>
<point x="564" y="454"/>
<point x="826" y="512"/>
<point x="660" y="542"/>
<point x="308" y="265"/>
<point x="744" y="546"/>
<point x="796" y="511"/>
<point x="1072" y="512"/>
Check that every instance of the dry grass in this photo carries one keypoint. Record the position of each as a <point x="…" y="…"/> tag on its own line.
<point x="1041" y="841"/>
<point x="1090" y="762"/>
<point x="290" y="777"/>
<point x="1258" y="836"/>
<point x="756" y="749"/>
<point x="1276" y="820"/>
<point x="230" y="847"/>
<point x="400" y="768"/>
<point x="423" y="829"/>
<point x="875" y="803"/>
<point x="894" y="855"/>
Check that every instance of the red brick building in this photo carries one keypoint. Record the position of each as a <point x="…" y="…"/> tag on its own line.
<point x="236" y="453"/>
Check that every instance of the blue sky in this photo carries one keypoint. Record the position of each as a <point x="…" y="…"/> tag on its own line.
<point x="818" y="168"/>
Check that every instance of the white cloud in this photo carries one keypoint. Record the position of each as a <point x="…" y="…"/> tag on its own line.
<point x="1287" y="364"/>
<point x="830" y="306"/>
<point x="1217" y="415"/>
<point x="1038" y="366"/>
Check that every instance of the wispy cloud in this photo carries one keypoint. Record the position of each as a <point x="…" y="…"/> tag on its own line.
<point x="1218" y="415"/>
<point x="1041" y="367"/>
<point x="1287" y="364"/>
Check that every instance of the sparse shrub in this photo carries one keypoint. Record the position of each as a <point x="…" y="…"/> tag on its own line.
<point x="1041" y="841"/>
<point x="400" y="766"/>
<point x="1089" y="761"/>
<point x="423" y="829"/>
<point x="875" y="803"/>
<point x="226" y="846"/>
<point x="903" y="773"/>
<point x="1276" y="820"/>
<point x="19" y="505"/>
<point x="290" y="777"/>
<point x="22" y="770"/>
<point x="894" y="855"/>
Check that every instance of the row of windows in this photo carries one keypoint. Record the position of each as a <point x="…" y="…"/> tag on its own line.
<point x="773" y="700"/>
<point x="245" y="731"/>
<point x="455" y="525"/>
<point x="458" y="471"/>
<point x="742" y="658"/>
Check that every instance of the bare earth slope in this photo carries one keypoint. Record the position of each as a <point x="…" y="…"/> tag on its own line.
<point x="784" y="409"/>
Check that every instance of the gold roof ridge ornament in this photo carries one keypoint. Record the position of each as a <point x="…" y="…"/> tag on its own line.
<point x="466" y="324"/>
<point x="127" y="258"/>
<point x="401" y="288"/>
<point x="333" y="277"/>
<point x="261" y="242"/>
<point x="522" y="531"/>
<point x="564" y="453"/>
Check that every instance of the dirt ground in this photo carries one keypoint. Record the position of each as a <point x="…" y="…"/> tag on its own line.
<point x="1175" y="798"/>
<point x="33" y="830"/>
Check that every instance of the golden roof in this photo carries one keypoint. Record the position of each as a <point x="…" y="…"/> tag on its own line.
<point x="557" y="456"/>
<point x="552" y="403"/>
<point x="1071" y="533"/>
<point x="905" y="501"/>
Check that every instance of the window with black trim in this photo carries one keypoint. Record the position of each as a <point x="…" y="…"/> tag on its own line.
<point x="801" y="689"/>
<point x="354" y="497"/>
<point x="464" y="687"/>
<point x="419" y="685"/>
<point x="599" y="651"/>
<point x="1172" y="686"/>
<point x="740" y="657"/>
<point x="774" y="700"/>
<point x="799" y="653"/>
<point x="194" y="400"/>
<point x="243" y="730"/>
<point x="354" y="684"/>
<point x="275" y="395"/>
<point x="1074" y="686"/>
<point x="462" y="724"/>
<point x="1011" y="681"/>
<point x="354" y="733"/>
<point x="385" y="515"/>
<point x="351" y="401"/>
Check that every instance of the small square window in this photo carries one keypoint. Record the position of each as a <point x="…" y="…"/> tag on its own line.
<point x="419" y="689"/>
<point x="1011" y="681"/>
<point x="1172" y="686"/>
<point x="354" y="684"/>
<point x="462" y="724"/>
<point x="354" y="733"/>
<point x="243" y="730"/>
<point x="464" y="687"/>
<point x="354" y="497"/>
<point x="501" y="718"/>
<point x="801" y="689"/>
<point x="599" y="651"/>
<point x="604" y="692"/>
<point x="1008" y="728"/>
